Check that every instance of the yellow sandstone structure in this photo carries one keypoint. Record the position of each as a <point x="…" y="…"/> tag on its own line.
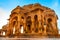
<point x="32" y="20"/>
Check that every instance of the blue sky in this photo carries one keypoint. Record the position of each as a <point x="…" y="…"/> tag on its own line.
<point x="6" y="7"/>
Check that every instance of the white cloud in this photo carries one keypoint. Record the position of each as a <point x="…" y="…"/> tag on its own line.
<point x="4" y="15"/>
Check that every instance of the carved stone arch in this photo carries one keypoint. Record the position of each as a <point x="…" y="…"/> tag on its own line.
<point x="49" y="20"/>
<point x="15" y="19"/>
<point x="36" y="17"/>
<point x="22" y="19"/>
<point x="36" y="23"/>
<point x="13" y="14"/>
<point x="14" y="24"/>
<point x="51" y="26"/>
<point x="28" y="23"/>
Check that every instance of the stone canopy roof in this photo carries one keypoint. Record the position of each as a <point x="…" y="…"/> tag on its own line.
<point x="31" y="7"/>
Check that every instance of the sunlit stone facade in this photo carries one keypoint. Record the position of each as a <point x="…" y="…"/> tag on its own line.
<point x="31" y="20"/>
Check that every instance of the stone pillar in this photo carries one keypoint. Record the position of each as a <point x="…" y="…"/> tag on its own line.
<point x="45" y="30"/>
<point x="40" y="20"/>
<point x="11" y="28"/>
<point x="43" y="25"/>
<point x="8" y="31"/>
<point x="18" y="25"/>
<point x="25" y="25"/>
<point x="40" y="27"/>
<point x="0" y="32"/>
<point x="32" y="27"/>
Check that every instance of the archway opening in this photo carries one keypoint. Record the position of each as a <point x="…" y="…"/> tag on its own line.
<point x="22" y="18"/>
<point x="21" y="29"/>
<point x="14" y="24"/>
<point x="28" y="23"/>
<point x="36" y="17"/>
<point x="36" y="23"/>
<point x="49" y="28"/>
<point x="3" y="33"/>
<point x="29" y="27"/>
<point x="49" y="20"/>
<point x="13" y="30"/>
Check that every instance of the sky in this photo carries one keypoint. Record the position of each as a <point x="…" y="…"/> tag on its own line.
<point x="6" y="6"/>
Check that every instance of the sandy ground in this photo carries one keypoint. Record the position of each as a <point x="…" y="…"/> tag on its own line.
<point x="29" y="38"/>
